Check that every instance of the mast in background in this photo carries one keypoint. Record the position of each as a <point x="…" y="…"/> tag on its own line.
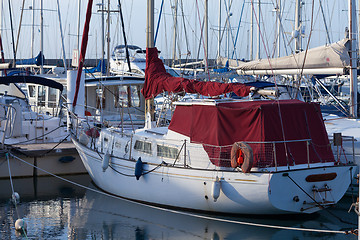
<point x="32" y="28"/>
<point x="108" y="40"/>
<point x="251" y="32"/>
<point x="206" y="20"/>
<point x="62" y="36"/>
<point x="175" y="32"/>
<point x="278" y="12"/>
<point x="297" y="26"/>
<point x="353" y="59"/>
<point x="258" y="31"/>
<point x="78" y="27"/>
<point x="41" y="38"/>
<point x="219" y="34"/>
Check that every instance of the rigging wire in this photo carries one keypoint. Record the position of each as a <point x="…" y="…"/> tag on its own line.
<point x="238" y="30"/>
<point x="326" y="28"/>
<point x="185" y="32"/>
<point x="12" y="34"/>
<point x="20" y="24"/>
<point x="203" y="41"/>
<point x="124" y="36"/>
<point x="158" y="24"/>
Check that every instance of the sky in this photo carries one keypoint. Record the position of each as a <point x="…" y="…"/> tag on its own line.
<point x="189" y="41"/>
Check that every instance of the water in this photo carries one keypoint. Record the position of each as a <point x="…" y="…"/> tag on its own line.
<point x="54" y="209"/>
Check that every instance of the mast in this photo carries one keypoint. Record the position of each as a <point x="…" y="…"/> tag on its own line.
<point x="62" y="36"/>
<point x="102" y="37"/>
<point x="149" y="44"/>
<point x="84" y="42"/>
<point x="1" y="46"/>
<point x="124" y="36"/>
<point x="251" y="32"/>
<point x="219" y="35"/>
<point x="278" y="26"/>
<point x="297" y="25"/>
<point x="258" y="32"/>
<point x="228" y="31"/>
<point x="175" y="30"/>
<point x="78" y="27"/>
<point x="108" y="40"/>
<point x="206" y="35"/>
<point x="353" y="59"/>
<point x="32" y="28"/>
<point x="12" y="35"/>
<point x="41" y="38"/>
<point x="150" y="24"/>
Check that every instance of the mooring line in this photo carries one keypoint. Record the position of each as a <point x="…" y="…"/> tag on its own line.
<point x="188" y="213"/>
<point x="13" y="196"/>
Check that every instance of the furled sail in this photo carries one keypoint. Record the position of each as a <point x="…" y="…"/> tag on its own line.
<point x="158" y="80"/>
<point x="331" y="59"/>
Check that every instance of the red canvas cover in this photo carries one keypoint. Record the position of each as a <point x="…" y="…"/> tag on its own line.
<point x="157" y="80"/>
<point x="258" y="121"/>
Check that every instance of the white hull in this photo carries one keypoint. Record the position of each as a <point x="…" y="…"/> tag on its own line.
<point x="64" y="160"/>
<point x="241" y="193"/>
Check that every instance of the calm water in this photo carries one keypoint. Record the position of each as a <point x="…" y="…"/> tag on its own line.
<point x="54" y="209"/>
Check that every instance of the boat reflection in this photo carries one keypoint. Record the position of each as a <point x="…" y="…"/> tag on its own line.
<point x="105" y="217"/>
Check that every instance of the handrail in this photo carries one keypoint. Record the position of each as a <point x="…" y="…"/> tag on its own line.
<point x="8" y="118"/>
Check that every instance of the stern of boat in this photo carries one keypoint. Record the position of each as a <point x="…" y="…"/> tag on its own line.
<point x="310" y="190"/>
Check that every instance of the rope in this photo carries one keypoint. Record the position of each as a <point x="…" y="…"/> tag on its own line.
<point x="13" y="194"/>
<point x="29" y="140"/>
<point x="159" y="165"/>
<point x="191" y="214"/>
<point x="128" y="175"/>
<point x="12" y="186"/>
<point x="50" y="150"/>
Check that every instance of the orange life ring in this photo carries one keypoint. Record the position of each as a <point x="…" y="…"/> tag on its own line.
<point x="242" y="156"/>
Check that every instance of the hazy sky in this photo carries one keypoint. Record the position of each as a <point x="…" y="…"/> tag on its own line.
<point x="189" y="22"/>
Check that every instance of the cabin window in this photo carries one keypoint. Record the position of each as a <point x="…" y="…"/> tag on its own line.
<point x="32" y="91"/>
<point x="100" y="99"/>
<point x="128" y="96"/>
<point x="124" y="96"/>
<point x="41" y="96"/>
<point x="167" y="152"/>
<point x="137" y="71"/>
<point x="135" y="95"/>
<point x="143" y="146"/>
<point x="52" y="98"/>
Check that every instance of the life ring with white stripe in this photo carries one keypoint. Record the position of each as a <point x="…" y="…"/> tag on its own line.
<point x="242" y="156"/>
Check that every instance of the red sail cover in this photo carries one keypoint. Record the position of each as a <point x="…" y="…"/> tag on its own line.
<point x="257" y="121"/>
<point x="158" y="80"/>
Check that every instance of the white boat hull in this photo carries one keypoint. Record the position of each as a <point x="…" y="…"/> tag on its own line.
<point x="241" y="193"/>
<point x="64" y="160"/>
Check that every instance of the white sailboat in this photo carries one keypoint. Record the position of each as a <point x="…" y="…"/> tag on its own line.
<point x="218" y="155"/>
<point x="196" y="162"/>
<point x="33" y="138"/>
<point x="119" y="64"/>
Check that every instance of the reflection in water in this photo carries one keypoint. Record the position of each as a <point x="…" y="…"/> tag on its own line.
<point x="120" y="219"/>
<point x="54" y="209"/>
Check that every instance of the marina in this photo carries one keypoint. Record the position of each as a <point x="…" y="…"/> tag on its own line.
<point x="55" y="209"/>
<point x="204" y="145"/>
